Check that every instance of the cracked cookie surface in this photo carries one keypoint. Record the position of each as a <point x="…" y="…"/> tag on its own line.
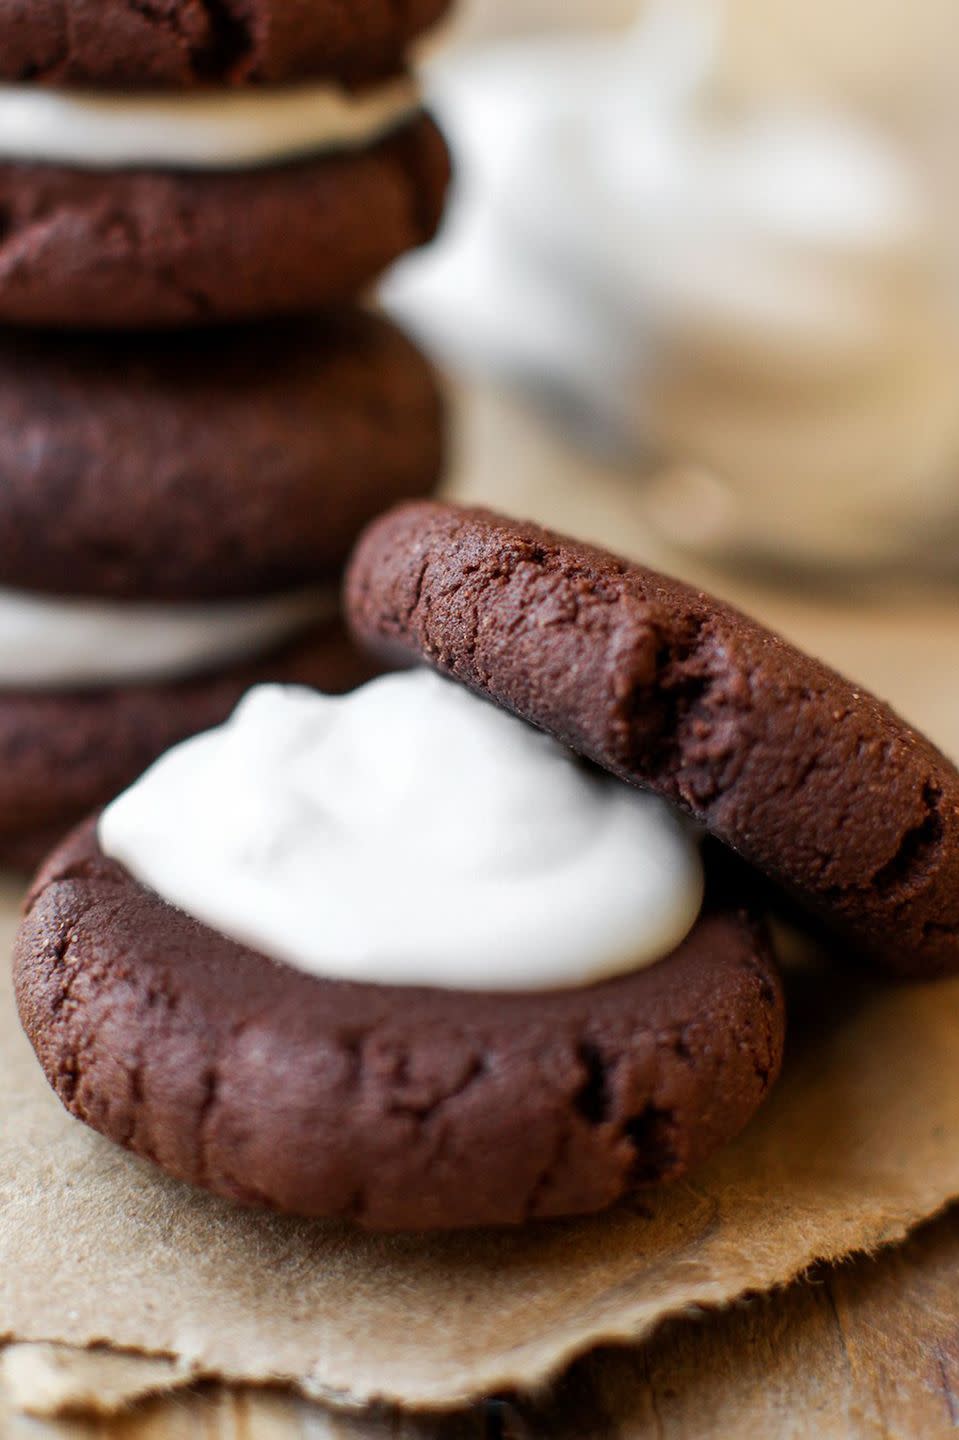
<point x="225" y="463"/>
<point x="808" y="777"/>
<point x="65" y="753"/>
<point x="177" y="44"/>
<point x="125" y="249"/>
<point x="395" y="1108"/>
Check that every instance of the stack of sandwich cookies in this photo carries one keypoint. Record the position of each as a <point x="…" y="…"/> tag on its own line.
<point x="174" y="518"/>
<point x="198" y="169"/>
<point x="193" y="201"/>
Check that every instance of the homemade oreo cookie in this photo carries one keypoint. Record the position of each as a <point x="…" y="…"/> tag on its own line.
<point x="810" y="779"/>
<point x="399" y="959"/>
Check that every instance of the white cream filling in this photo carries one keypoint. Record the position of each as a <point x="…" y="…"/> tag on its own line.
<point x="216" y="130"/>
<point x="409" y="834"/>
<point x="57" y="643"/>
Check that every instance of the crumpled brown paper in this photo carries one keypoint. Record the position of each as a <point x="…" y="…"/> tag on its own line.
<point x="858" y="1143"/>
<point x="52" y="1379"/>
<point x="855" y="1146"/>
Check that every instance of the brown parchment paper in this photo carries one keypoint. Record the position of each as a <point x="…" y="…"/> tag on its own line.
<point x="859" y="1142"/>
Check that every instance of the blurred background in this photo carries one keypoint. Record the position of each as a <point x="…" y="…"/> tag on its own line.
<point x="714" y="245"/>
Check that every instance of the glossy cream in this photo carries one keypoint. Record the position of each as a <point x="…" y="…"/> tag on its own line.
<point x="409" y="834"/>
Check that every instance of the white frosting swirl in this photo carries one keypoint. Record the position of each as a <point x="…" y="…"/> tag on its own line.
<point x="52" y="642"/>
<point x="409" y="834"/>
<point x="215" y="130"/>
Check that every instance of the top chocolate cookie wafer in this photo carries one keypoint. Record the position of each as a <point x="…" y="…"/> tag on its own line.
<point x="177" y="44"/>
<point x="809" y="778"/>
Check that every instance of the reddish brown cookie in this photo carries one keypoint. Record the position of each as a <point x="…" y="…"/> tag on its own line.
<point x="229" y="462"/>
<point x="129" y="248"/>
<point x="396" y="1108"/>
<point x="63" y="754"/>
<point x="181" y="43"/>
<point x="809" y="778"/>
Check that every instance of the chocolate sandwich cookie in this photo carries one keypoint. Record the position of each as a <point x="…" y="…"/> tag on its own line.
<point x="155" y="245"/>
<point x="392" y="1106"/>
<point x="810" y="779"/>
<point x="231" y="462"/>
<point x="542" y="1008"/>
<point x="66" y="752"/>
<point x="184" y="43"/>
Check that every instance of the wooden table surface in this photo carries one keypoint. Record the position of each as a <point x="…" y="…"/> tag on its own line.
<point x="868" y="1349"/>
